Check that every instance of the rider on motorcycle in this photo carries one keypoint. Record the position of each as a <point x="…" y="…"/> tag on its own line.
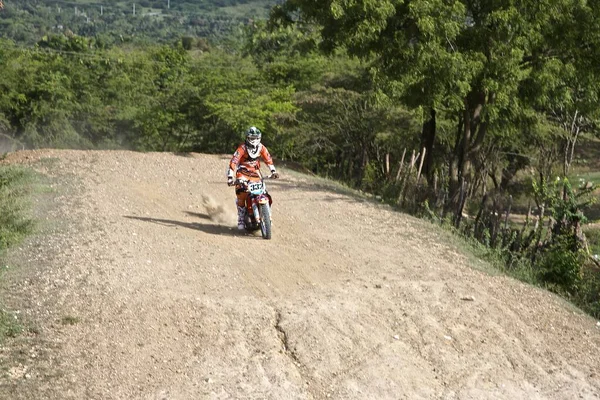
<point x="244" y="165"/>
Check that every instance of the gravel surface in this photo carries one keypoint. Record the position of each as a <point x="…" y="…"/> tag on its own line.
<point x="139" y="287"/>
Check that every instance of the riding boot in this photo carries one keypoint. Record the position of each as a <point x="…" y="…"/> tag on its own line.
<point x="241" y="215"/>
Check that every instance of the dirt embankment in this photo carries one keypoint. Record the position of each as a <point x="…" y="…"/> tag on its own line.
<point x="137" y="287"/>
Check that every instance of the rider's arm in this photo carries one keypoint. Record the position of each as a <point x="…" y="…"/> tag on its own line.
<point x="266" y="156"/>
<point x="235" y="161"/>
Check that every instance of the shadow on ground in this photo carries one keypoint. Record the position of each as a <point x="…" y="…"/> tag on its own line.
<point x="206" y="228"/>
<point x="198" y="215"/>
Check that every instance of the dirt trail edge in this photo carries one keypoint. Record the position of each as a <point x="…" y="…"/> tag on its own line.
<point x="139" y="288"/>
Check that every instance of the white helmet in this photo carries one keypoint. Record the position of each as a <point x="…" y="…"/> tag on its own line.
<point x="253" y="136"/>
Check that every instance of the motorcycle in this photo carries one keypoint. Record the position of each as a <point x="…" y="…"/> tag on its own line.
<point x="258" y="205"/>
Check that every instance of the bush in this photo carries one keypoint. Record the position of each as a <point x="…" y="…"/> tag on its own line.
<point x="187" y="42"/>
<point x="560" y="265"/>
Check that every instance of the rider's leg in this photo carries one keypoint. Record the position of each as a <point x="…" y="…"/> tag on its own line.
<point x="241" y="208"/>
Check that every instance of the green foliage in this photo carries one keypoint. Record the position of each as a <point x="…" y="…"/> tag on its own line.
<point x="229" y="95"/>
<point x="565" y="205"/>
<point x="114" y="22"/>
<point x="561" y="264"/>
<point x="287" y="55"/>
<point x="493" y="68"/>
<point x="14" y="222"/>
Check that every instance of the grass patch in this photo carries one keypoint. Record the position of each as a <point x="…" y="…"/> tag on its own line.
<point x="489" y="260"/>
<point x="587" y="151"/>
<point x="69" y="320"/>
<point x="9" y="325"/>
<point x="592" y="234"/>
<point x="16" y="185"/>
<point x="582" y="177"/>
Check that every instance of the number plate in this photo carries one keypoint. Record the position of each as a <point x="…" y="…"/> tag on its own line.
<point x="255" y="186"/>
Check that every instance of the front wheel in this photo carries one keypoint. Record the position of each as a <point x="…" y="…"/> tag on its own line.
<point x="265" y="221"/>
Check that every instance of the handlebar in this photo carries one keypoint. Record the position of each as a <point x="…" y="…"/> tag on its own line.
<point x="244" y="181"/>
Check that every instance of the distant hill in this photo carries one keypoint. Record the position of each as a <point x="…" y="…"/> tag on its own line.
<point x="233" y="8"/>
<point x="114" y="21"/>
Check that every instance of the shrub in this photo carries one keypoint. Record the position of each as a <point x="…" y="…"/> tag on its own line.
<point x="560" y="265"/>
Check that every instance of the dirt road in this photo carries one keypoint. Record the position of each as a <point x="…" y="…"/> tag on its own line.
<point x="137" y="287"/>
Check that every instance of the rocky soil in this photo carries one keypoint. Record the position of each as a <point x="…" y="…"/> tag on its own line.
<point x="137" y="286"/>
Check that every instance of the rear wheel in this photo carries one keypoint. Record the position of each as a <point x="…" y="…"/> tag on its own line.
<point x="251" y="225"/>
<point x="249" y="222"/>
<point x="265" y="221"/>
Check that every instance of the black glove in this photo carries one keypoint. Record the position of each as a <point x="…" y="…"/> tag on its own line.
<point x="274" y="175"/>
<point x="230" y="181"/>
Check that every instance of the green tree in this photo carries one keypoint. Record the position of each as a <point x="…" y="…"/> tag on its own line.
<point x="470" y="59"/>
<point x="229" y="94"/>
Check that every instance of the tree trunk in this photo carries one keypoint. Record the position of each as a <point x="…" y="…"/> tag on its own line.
<point x="451" y="199"/>
<point x="571" y="141"/>
<point x="470" y="138"/>
<point x="363" y="164"/>
<point x="428" y="141"/>
<point x="458" y="193"/>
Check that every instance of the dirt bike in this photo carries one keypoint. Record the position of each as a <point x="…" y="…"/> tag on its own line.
<point x="258" y="205"/>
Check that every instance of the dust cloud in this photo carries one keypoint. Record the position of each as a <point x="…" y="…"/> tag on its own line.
<point x="218" y="212"/>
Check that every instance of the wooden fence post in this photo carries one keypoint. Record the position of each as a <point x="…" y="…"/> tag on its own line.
<point x="413" y="159"/>
<point x="421" y="165"/>
<point x="401" y="165"/>
<point x="387" y="165"/>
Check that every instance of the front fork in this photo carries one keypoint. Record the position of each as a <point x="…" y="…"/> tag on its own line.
<point x="256" y="212"/>
<point x="260" y="200"/>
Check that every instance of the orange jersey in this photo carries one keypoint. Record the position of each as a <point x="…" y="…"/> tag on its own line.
<point x="243" y="163"/>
